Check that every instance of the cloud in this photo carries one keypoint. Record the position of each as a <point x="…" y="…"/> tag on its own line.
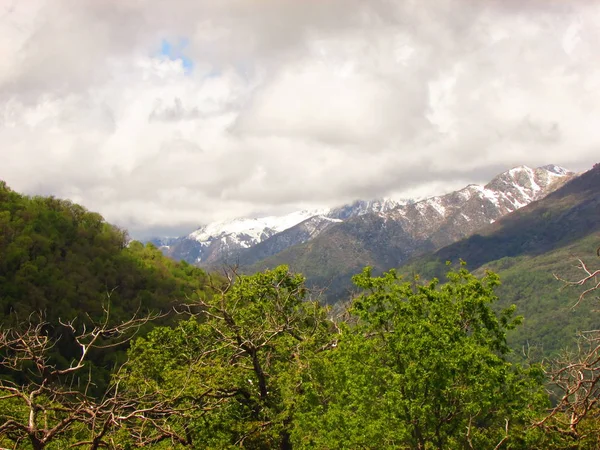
<point x="164" y="115"/>
<point x="174" y="113"/>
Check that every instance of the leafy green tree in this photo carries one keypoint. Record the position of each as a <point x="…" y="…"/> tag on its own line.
<point x="240" y="363"/>
<point x="421" y="366"/>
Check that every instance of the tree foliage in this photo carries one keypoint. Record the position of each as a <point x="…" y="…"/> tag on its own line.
<point x="241" y="360"/>
<point x="422" y="366"/>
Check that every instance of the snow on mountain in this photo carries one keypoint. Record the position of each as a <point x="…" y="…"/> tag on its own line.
<point x="443" y="219"/>
<point x="222" y="240"/>
<point x="508" y="191"/>
<point x="361" y="207"/>
<point x="440" y="218"/>
<point x="251" y="231"/>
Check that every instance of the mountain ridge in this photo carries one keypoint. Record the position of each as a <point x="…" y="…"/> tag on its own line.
<point x="527" y="248"/>
<point x="438" y="219"/>
<point x="387" y="240"/>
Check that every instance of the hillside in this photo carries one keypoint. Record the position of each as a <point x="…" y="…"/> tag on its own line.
<point x="526" y="248"/>
<point x="56" y="257"/>
<point x="61" y="261"/>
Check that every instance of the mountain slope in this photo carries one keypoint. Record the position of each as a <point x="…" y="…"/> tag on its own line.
<point x="219" y="240"/>
<point x="62" y="262"/>
<point x="564" y="216"/>
<point x="526" y="248"/>
<point x="60" y="259"/>
<point x="226" y="241"/>
<point x="385" y="240"/>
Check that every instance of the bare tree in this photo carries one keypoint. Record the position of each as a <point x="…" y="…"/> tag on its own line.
<point x="42" y="401"/>
<point x="575" y="377"/>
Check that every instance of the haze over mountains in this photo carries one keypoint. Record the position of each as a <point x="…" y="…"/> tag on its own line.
<point x="381" y="232"/>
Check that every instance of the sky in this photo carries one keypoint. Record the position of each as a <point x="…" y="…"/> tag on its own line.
<point x="163" y="116"/>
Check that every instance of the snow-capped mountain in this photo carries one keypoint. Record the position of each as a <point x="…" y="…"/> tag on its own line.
<point x="361" y="207"/>
<point x="437" y="220"/>
<point x="221" y="241"/>
<point x="217" y="240"/>
<point x="446" y="218"/>
<point x="386" y="240"/>
<point x="249" y="232"/>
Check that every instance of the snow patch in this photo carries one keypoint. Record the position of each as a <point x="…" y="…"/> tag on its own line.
<point x="241" y="231"/>
<point x="489" y="194"/>
<point x="436" y="203"/>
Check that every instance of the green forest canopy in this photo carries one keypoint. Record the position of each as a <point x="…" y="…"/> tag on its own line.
<point x="410" y="364"/>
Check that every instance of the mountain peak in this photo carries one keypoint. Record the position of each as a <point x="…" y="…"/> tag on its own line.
<point x="435" y="217"/>
<point x="558" y="170"/>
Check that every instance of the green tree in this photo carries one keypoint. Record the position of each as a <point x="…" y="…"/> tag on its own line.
<point x="420" y="366"/>
<point x="240" y="363"/>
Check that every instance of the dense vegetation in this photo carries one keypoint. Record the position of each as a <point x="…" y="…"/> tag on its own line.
<point x="60" y="261"/>
<point x="552" y="321"/>
<point x="411" y="365"/>
<point x="258" y="362"/>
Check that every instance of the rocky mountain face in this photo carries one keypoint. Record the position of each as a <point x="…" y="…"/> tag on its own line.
<point x="448" y="218"/>
<point x="223" y="242"/>
<point x="381" y="232"/>
<point x="385" y="240"/>
<point x="362" y="207"/>
<point x="564" y="216"/>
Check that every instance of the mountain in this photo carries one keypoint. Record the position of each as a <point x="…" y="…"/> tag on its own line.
<point x="526" y="248"/>
<point x="328" y="245"/>
<point x="220" y="242"/>
<point x="445" y="219"/>
<point x="218" y="239"/>
<point x="387" y="239"/>
<point x="362" y="207"/>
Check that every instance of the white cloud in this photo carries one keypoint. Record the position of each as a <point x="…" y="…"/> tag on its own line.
<point x="289" y="104"/>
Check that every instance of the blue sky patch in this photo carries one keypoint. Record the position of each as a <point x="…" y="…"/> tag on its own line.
<point x="174" y="51"/>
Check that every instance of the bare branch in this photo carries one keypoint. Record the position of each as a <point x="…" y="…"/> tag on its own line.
<point x="49" y="403"/>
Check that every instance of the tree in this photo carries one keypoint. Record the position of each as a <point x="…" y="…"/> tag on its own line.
<point x="243" y="357"/>
<point x="42" y="401"/>
<point x="420" y="366"/>
<point x="574" y="378"/>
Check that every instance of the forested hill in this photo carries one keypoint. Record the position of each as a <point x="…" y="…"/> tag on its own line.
<point x="59" y="259"/>
<point x="526" y="248"/>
